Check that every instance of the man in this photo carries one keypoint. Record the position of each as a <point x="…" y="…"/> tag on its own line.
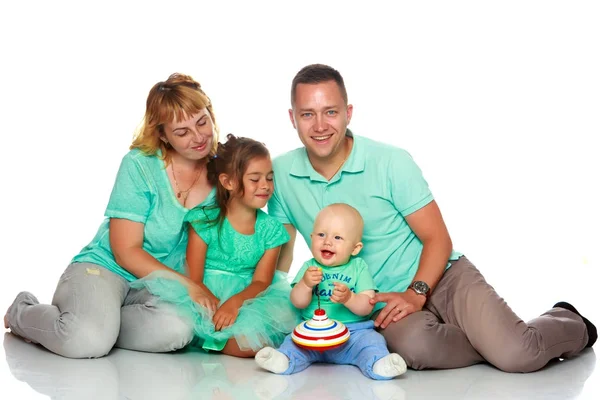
<point x="435" y="309"/>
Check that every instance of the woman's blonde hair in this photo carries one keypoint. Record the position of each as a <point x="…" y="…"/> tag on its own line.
<point x="175" y="99"/>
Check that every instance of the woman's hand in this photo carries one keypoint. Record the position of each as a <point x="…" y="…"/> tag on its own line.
<point x="227" y="313"/>
<point x="398" y="306"/>
<point x="204" y="298"/>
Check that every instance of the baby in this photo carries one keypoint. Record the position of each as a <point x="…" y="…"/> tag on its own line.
<point x="345" y="287"/>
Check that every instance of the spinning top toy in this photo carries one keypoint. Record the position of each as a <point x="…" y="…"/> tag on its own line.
<point x="320" y="333"/>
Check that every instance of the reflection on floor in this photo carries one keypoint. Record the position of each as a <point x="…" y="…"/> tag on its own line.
<point x="198" y="375"/>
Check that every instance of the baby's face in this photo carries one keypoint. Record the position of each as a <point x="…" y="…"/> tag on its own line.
<point x="333" y="240"/>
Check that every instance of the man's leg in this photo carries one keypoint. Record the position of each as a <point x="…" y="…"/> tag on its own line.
<point x="83" y="320"/>
<point x="425" y="342"/>
<point x="147" y="324"/>
<point x="466" y="300"/>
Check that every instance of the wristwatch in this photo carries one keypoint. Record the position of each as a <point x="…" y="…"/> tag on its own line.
<point x="420" y="287"/>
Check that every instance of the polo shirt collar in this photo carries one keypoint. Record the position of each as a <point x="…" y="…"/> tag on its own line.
<point x="301" y="166"/>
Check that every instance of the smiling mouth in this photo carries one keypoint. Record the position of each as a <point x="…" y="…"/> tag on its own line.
<point x="201" y="147"/>
<point x="322" y="138"/>
<point x="326" y="254"/>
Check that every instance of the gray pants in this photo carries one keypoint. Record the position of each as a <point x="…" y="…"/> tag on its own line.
<point x="465" y="322"/>
<point x="94" y="309"/>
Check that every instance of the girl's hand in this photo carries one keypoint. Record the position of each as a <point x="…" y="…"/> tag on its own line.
<point x="200" y="296"/>
<point x="227" y="314"/>
<point x="341" y="293"/>
<point x="312" y="276"/>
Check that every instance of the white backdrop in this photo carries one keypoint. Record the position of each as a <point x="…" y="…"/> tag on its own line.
<point x="498" y="102"/>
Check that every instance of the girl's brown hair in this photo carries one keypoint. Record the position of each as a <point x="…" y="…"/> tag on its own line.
<point x="232" y="158"/>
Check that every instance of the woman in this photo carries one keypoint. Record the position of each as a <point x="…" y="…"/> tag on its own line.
<point x="159" y="180"/>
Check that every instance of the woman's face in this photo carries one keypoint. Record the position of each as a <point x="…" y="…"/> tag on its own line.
<point x="192" y="138"/>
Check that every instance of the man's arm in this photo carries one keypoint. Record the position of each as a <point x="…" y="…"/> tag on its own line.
<point x="287" y="250"/>
<point x="427" y="223"/>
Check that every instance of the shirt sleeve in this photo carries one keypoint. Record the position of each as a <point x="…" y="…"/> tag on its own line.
<point x="409" y="190"/>
<point x="275" y="208"/>
<point x="275" y="234"/>
<point x="204" y="220"/>
<point x="364" y="280"/>
<point x="131" y="198"/>
<point x="301" y="272"/>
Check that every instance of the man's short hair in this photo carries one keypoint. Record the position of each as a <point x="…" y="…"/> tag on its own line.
<point x="318" y="73"/>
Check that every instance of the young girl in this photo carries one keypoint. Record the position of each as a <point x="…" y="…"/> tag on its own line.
<point x="232" y="253"/>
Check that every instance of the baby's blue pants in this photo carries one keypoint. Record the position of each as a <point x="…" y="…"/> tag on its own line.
<point x="363" y="349"/>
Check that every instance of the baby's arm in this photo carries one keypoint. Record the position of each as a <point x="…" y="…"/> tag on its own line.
<point x="358" y="303"/>
<point x="302" y="292"/>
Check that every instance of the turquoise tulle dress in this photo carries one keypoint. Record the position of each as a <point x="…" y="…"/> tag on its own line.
<point x="231" y="259"/>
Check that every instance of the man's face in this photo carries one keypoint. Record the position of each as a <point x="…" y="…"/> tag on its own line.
<point x="320" y="115"/>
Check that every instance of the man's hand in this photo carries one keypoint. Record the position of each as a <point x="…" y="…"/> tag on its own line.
<point x="227" y="314"/>
<point x="398" y="306"/>
<point x="312" y="276"/>
<point x="341" y="293"/>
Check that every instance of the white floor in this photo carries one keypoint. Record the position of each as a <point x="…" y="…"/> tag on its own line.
<point x="31" y="372"/>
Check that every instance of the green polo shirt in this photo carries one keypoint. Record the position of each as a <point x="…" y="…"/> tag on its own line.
<point x="382" y="182"/>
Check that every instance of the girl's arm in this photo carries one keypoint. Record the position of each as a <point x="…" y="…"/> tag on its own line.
<point x="262" y="278"/>
<point x="196" y="259"/>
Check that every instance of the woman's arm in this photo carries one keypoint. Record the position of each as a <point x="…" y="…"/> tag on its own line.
<point x="126" y="241"/>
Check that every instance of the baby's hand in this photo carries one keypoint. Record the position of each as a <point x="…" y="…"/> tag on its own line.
<point x="341" y="293"/>
<point x="312" y="276"/>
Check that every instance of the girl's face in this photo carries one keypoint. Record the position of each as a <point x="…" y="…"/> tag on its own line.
<point x="258" y="183"/>
<point x="193" y="137"/>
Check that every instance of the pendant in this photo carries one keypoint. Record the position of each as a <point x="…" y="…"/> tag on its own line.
<point x="178" y="195"/>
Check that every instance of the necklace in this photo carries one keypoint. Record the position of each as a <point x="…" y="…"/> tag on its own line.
<point x="180" y="192"/>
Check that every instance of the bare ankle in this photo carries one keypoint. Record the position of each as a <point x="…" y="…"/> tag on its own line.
<point x="232" y="349"/>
